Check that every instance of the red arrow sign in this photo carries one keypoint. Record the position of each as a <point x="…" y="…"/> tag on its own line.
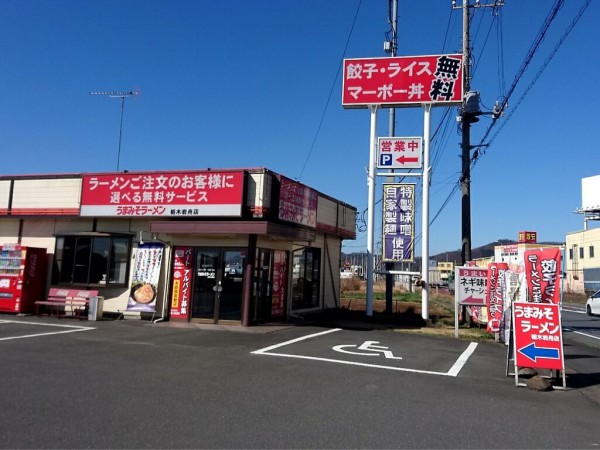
<point x="406" y="160"/>
<point x="473" y="301"/>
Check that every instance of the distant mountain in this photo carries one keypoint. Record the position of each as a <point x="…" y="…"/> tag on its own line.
<point x="484" y="251"/>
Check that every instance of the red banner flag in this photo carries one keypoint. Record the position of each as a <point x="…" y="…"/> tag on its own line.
<point x="542" y="271"/>
<point x="495" y="295"/>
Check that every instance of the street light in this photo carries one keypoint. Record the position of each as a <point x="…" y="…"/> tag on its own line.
<point x="122" y="96"/>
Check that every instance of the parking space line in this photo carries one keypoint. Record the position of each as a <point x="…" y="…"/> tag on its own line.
<point x="302" y="338"/>
<point x="462" y="359"/>
<point x="352" y="363"/>
<point x="71" y="329"/>
<point x="581" y="333"/>
<point x="453" y="372"/>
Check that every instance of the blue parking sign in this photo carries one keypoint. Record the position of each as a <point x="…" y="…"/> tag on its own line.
<point x="385" y="160"/>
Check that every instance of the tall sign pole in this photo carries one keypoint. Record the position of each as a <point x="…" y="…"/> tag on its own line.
<point x="389" y="278"/>
<point x="371" y="209"/>
<point x="425" y="219"/>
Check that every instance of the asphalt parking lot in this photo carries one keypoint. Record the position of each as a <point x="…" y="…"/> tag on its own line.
<point x="134" y="384"/>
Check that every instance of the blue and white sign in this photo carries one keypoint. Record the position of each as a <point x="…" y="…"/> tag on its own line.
<point x="399" y="152"/>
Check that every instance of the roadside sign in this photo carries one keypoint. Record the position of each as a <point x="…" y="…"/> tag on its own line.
<point x="471" y="285"/>
<point x="470" y="290"/>
<point x="398" y="222"/>
<point x="399" y="152"/>
<point x="403" y="81"/>
<point x="537" y="336"/>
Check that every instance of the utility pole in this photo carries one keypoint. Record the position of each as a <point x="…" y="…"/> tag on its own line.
<point x="391" y="47"/>
<point x="122" y="96"/>
<point x="465" y="179"/>
<point x="467" y="117"/>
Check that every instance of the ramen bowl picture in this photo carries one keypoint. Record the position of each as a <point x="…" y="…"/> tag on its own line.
<point x="143" y="293"/>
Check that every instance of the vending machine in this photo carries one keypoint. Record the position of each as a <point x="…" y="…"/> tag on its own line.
<point x="22" y="278"/>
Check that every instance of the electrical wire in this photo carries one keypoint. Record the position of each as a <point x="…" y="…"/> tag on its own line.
<point x="533" y="49"/>
<point x="500" y="55"/>
<point x="541" y="70"/>
<point x="528" y="58"/>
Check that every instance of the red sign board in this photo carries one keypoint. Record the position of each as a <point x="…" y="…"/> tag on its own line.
<point x="538" y="336"/>
<point x="298" y="203"/>
<point x="175" y="194"/>
<point x="279" y="292"/>
<point x="527" y="237"/>
<point x="403" y="81"/>
<point x="181" y="292"/>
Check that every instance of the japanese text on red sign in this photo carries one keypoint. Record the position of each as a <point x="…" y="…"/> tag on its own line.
<point x="410" y="80"/>
<point x="542" y="271"/>
<point x="297" y="203"/>
<point x="161" y="189"/>
<point x="542" y="322"/>
<point x="160" y="194"/>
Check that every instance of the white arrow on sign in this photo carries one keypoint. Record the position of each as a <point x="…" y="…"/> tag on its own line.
<point x="368" y="346"/>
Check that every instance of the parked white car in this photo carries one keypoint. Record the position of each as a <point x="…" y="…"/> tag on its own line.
<point x="592" y="305"/>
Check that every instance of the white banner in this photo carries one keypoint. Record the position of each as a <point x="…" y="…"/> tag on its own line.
<point x="144" y="285"/>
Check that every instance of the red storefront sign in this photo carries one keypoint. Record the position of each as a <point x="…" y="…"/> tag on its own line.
<point x="538" y="336"/>
<point x="403" y="81"/>
<point x="279" y="292"/>
<point x="181" y="291"/>
<point x="179" y="194"/>
<point x="542" y="271"/>
<point x="297" y="203"/>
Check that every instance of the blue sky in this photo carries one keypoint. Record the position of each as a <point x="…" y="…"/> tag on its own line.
<point x="252" y="83"/>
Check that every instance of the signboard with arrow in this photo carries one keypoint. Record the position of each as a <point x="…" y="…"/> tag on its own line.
<point x="537" y="336"/>
<point x="399" y="152"/>
<point x="470" y="287"/>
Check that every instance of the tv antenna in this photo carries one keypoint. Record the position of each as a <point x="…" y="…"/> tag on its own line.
<point x="122" y="96"/>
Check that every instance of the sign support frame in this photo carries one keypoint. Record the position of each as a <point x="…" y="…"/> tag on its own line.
<point x="371" y="209"/>
<point x="515" y="349"/>
<point x="425" y="220"/>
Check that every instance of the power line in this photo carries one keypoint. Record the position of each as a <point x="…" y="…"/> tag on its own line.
<point x="541" y="70"/>
<point x="526" y="62"/>
<point x="529" y="57"/>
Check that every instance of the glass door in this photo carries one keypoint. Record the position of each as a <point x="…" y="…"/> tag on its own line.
<point x="205" y="283"/>
<point x="218" y="286"/>
<point x="234" y="261"/>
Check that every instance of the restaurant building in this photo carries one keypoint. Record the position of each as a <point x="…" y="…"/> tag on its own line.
<point x="236" y="246"/>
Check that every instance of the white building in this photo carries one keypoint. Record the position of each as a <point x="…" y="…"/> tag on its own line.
<point x="582" y="252"/>
<point x="241" y="246"/>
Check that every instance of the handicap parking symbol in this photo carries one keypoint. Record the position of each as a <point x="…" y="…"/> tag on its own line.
<point x="368" y="348"/>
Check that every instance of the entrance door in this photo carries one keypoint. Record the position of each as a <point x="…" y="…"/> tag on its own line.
<point x="218" y="284"/>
